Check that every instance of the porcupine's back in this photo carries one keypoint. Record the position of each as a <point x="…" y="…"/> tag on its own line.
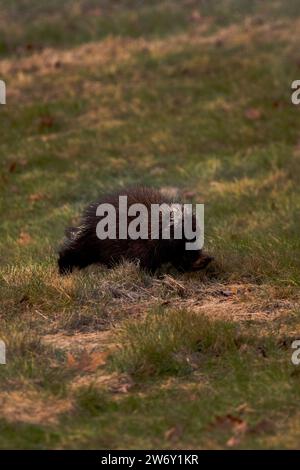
<point x="82" y="246"/>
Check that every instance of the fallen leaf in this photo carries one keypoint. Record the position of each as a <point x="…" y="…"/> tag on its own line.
<point x="71" y="361"/>
<point x="24" y="239"/>
<point x="227" y="422"/>
<point x="277" y="104"/>
<point x="241" y="428"/>
<point x="12" y="167"/>
<point x="96" y="360"/>
<point x="87" y="362"/>
<point x="173" y="434"/>
<point x="196" y="16"/>
<point x="231" y="423"/>
<point x="219" y="42"/>
<point x="236" y="425"/>
<point x="193" y="397"/>
<point x="46" y="122"/>
<point x="36" y="197"/>
<point x="233" y="441"/>
<point x="253" y="114"/>
<point x="243" y="408"/>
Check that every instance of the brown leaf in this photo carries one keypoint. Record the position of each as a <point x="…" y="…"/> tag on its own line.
<point x="36" y="197"/>
<point x="243" y="408"/>
<point x="196" y="16"/>
<point x="46" y="122"/>
<point x="233" y="441"/>
<point x="96" y="359"/>
<point x="277" y="104"/>
<point x="12" y="167"/>
<point x="71" y="361"/>
<point x="24" y="238"/>
<point x="219" y="42"/>
<point x="227" y="422"/>
<point x="231" y="423"/>
<point x="87" y="362"/>
<point x="174" y="433"/>
<point x="238" y="427"/>
<point x="253" y="114"/>
<point x="241" y="428"/>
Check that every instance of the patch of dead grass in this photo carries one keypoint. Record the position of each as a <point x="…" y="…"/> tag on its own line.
<point x="114" y="51"/>
<point x="114" y="383"/>
<point x="89" y="342"/>
<point x="30" y="407"/>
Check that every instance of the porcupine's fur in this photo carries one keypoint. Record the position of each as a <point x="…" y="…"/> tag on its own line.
<point x="82" y="247"/>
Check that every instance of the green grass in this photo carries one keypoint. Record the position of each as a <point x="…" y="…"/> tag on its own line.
<point x="163" y="342"/>
<point x="189" y="95"/>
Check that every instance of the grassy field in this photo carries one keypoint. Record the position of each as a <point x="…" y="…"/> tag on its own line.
<point x="192" y="97"/>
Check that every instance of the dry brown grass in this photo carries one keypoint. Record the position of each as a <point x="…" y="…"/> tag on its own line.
<point x="114" y="52"/>
<point x="26" y="406"/>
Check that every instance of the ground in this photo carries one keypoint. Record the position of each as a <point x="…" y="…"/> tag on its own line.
<point x="193" y="97"/>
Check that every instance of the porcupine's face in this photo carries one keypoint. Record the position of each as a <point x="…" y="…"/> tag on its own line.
<point x="192" y="260"/>
<point x="188" y="260"/>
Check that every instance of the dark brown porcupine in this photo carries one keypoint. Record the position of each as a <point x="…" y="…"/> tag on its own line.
<point x="82" y="247"/>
